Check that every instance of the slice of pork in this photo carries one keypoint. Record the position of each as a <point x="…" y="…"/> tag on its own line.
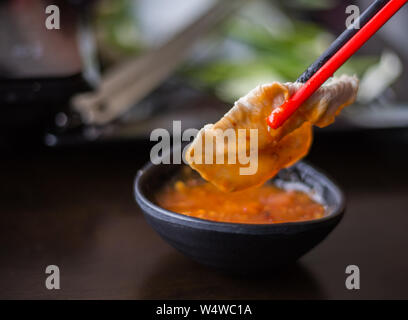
<point x="271" y="150"/>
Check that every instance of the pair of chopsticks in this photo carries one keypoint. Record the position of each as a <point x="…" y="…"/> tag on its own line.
<point x="126" y="84"/>
<point x="335" y="56"/>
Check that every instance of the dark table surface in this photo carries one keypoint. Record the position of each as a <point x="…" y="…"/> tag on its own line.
<point x="73" y="207"/>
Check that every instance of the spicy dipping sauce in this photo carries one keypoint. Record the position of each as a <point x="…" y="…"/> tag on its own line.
<point x="266" y="204"/>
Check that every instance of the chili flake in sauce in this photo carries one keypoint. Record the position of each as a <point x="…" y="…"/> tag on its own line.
<point x="262" y="205"/>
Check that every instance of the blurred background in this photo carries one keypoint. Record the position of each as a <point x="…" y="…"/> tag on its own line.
<point x="118" y="69"/>
<point x="78" y="105"/>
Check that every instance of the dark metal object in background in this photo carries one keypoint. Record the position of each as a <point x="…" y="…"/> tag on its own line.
<point x="40" y="68"/>
<point x="342" y="39"/>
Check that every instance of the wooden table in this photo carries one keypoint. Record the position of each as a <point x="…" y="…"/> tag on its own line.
<point x="74" y="208"/>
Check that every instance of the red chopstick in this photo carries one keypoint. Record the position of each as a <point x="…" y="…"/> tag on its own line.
<point x="282" y="113"/>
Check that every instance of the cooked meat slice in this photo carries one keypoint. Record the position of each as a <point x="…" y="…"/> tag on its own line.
<point x="273" y="149"/>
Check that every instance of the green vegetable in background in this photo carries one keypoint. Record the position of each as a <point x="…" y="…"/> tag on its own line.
<point x="117" y="29"/>
<point x="281" y="54"/>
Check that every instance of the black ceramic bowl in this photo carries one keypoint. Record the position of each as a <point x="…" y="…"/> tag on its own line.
<point x="235" y="246"/>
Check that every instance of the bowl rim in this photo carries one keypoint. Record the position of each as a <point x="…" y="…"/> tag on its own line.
<point x="152" y="209"/>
